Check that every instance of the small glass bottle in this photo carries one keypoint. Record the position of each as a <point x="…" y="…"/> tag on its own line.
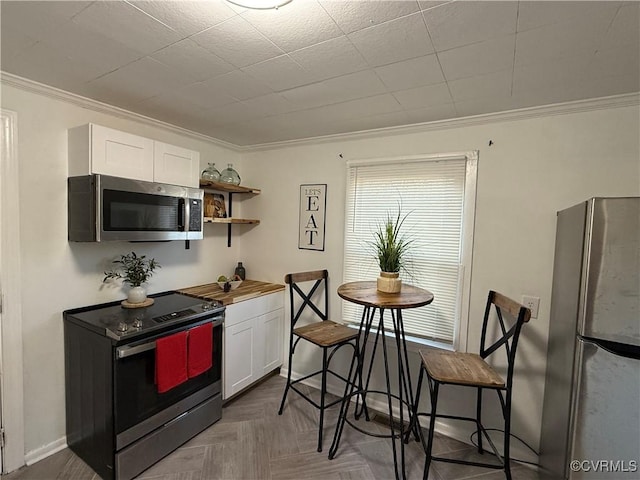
<point x="229" y="175"/>
<point x="210" y="173"/>
<point x="240" y="271"/>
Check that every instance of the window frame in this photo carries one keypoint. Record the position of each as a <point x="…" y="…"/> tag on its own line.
<point x="460" y="335"/>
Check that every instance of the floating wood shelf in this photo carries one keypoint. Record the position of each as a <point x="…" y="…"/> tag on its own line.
<point x="231" y="220"/>
<point x="228" y="187"/>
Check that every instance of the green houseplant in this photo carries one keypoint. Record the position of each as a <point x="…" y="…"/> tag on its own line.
<point x="391" y="246"/>
<point x="134" y="270"/>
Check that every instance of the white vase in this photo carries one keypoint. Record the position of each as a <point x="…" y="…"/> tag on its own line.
<point x="137" y="295"/>
<point x="388" y="282"/>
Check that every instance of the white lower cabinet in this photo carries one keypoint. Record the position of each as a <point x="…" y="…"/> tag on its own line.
<point x="253" y="339"/>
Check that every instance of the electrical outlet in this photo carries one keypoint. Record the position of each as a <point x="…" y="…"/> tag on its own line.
<point x="532" y="303"/>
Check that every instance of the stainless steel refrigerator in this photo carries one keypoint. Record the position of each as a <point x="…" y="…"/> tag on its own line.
<point x="591" y="413"/>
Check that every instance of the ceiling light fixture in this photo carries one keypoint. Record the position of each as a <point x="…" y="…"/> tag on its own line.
<point x="260" y="4"/>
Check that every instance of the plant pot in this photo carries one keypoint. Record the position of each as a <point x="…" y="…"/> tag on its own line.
<point x="137" y="295"/>
<point x="389" y="282"/>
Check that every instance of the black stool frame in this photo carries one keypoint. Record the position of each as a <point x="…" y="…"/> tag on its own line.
<point x="509" y="340"/>
<point x="327" y="351"/>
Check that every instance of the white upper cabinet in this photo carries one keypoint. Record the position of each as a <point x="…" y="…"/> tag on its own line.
<point x="176" y="165"/>
<point x="97" y="149"/>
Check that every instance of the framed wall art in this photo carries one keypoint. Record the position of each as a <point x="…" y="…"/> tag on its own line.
<point x="313" y="204"/>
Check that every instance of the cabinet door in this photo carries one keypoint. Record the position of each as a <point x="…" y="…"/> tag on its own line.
<point x="121" y="154"/>
<point x="176" y="165"/>
<point x="239" y="357"/>
<point x="270" y="328"/>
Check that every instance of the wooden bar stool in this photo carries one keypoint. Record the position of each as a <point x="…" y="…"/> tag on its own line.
<point x="471" y="370"/>
<point x="328" y="335"/>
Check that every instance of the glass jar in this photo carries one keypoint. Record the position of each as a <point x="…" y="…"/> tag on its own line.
<point x="211" y="173"/>
<point x="229" y="175"/>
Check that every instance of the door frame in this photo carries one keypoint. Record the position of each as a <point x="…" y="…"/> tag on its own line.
<point x="11" y="368"/>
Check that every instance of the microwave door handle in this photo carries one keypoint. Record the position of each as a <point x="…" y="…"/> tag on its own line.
<point x="126" y="351"/>
<point x="186" y="214"/>
<point x="181" y="214"/>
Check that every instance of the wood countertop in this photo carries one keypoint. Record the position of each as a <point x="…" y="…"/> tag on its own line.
<point x="248" y="289"/>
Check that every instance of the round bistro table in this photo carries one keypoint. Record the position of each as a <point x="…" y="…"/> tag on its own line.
<point x="375" y="304"/>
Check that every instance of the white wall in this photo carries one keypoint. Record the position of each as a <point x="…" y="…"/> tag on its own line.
<point x="534" y="168"/>
<point x="57" y="275"/>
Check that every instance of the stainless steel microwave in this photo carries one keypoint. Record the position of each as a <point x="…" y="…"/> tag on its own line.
<point x="103" y="208"/>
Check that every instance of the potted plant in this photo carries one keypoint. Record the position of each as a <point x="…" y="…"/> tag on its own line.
<point x="134" y="270"/>
<point x="391" y="246"/>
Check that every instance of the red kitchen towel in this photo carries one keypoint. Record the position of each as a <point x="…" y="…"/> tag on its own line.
<point x="171" y="361"/>
<point x="200" y="349"/>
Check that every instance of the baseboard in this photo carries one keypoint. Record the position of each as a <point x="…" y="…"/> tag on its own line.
<point x="451" y="429"/>
<point x="46" y="450"/>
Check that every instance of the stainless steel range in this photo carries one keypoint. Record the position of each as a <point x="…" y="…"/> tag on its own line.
<point x="117" y="421"/>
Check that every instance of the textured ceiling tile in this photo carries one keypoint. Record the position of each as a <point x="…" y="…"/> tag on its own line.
<point x="429" y="114"/>
<point x="14" y="40"/>
<point x="478" y="58"/>
<point x="625" y="29"/>
<point x="411" y="73"/>
<point x="298" y="25"/>
<point x="393" y="41"/>
<point x="231" y="113"/>
<point x="126" y="24"/>
<point x="37" y="19"/>
<point x="427" y="96"/>
<point x="566" y="73"/>
<point x="205" y="95"/>
<point x="141" y="79"/>
<point x="270" y="104"/>
<point x="167" y="104"/>
<point x="353" y="16"/>
<point x="239" y="84"/>
<point x="45" y="64"/>
<point x="280" y="73"/>
<point x="192" y="60"/>
<point x="491" y="85"/>
<point x="487" y="105"/>
<point x="538" y="14"/>
<point x="237" y="42"/>
<point x="462" y="23"/>
<point x="330" y="59"/>
<point x="94" y="48"/>
<point x="307" y="96"/>
<point x="187" y="17"/>
<point x="360" y="107"/>
<point x="616" y="62"/>
<point x="335" y="90"/>
<point x="573" y="38"/>
<point x="426" y="5"/>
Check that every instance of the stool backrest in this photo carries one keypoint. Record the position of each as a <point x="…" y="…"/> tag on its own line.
<point x="296" y="292"/>
<point x="509" y="336"/>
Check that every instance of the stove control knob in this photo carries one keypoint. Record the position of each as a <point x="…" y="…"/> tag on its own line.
<point x="137" y="323"/>
<point x="208" y="306"/>
<point x="123" y="327"/>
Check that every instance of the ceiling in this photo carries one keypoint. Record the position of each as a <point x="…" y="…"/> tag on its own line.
<point x="320" y="67"/>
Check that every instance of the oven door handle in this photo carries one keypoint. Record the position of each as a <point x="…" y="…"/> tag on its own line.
<point x="126" y="351"/>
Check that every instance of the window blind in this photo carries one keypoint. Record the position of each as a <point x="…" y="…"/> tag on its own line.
<point x="431" y="192"/>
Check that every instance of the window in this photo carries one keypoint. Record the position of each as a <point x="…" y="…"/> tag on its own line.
<point x="438" y="194"/>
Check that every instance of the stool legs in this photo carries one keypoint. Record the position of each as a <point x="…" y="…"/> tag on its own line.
<point x="323" y="392"/>
<point x="286" y="389"/>
<point x="433" y="389"/>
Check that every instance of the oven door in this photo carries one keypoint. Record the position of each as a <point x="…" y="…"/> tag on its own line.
<point x="138" y="407"/>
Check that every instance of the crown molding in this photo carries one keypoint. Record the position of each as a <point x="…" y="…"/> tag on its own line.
<point x="577" y="106"/>
<point x="83" y="102"/>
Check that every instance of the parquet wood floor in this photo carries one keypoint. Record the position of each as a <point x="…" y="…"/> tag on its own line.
<point x="253" y="442"/>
